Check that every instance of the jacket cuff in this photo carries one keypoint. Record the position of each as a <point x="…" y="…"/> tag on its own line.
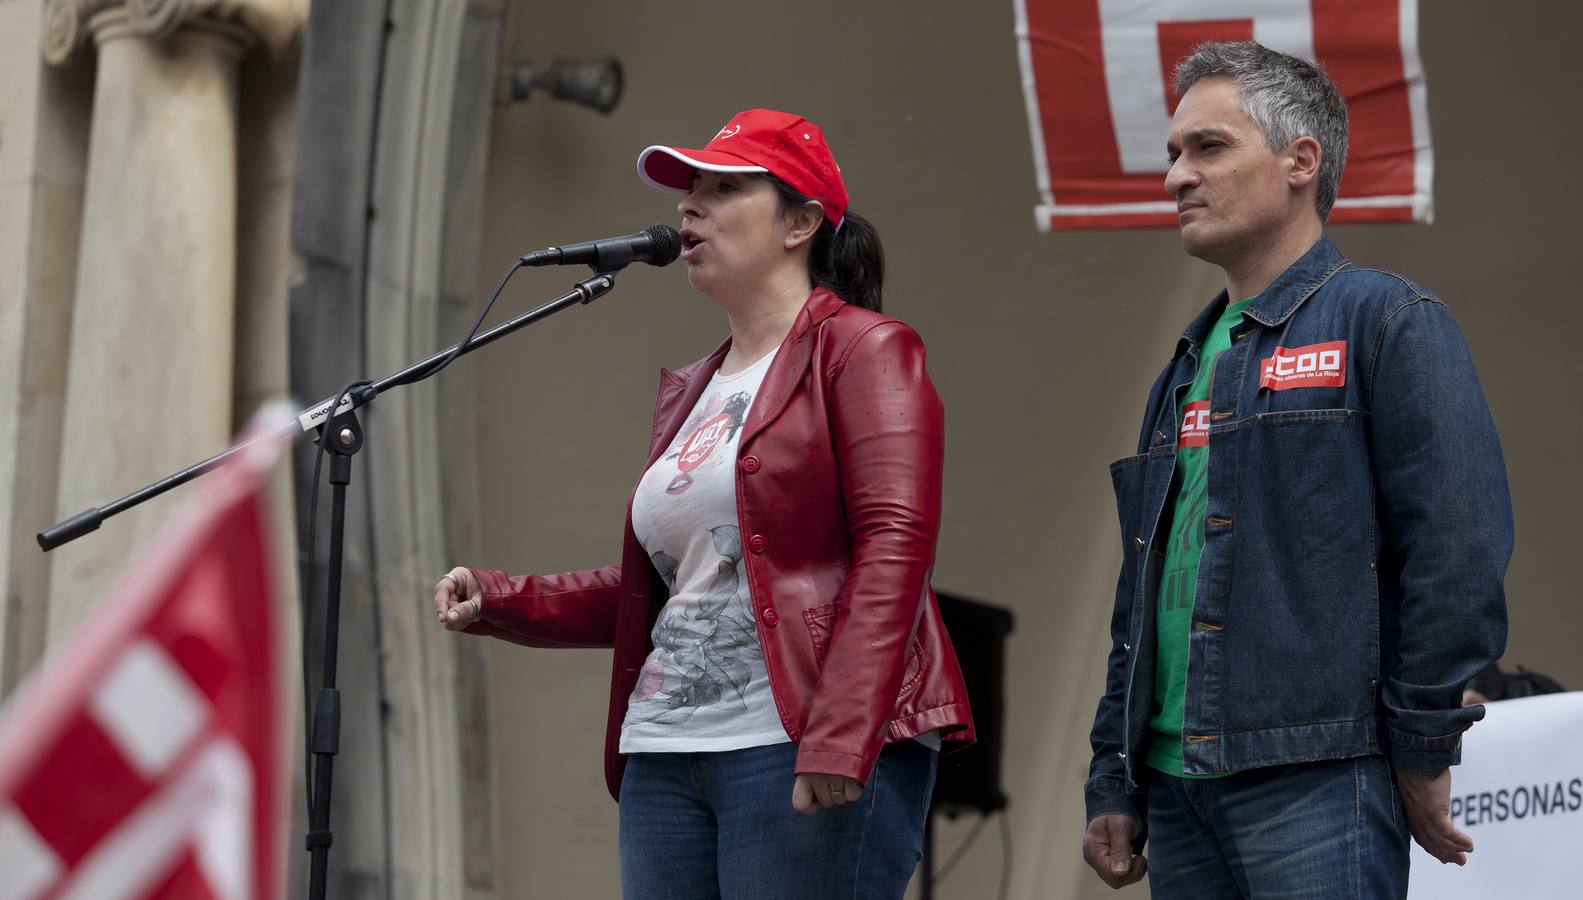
<point x="494" y="585"/>
<point x="1107" y="795"/>
<point x="1423" y="756"/>
<point x="833" y="762"/>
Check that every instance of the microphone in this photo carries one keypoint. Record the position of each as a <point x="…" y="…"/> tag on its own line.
<point x="657" y="245"/>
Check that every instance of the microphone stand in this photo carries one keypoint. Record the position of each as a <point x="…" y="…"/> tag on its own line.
<point x="340" y="434"/>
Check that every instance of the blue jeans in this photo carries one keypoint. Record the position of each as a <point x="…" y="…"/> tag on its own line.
<point x="721" y="825"/>
<point x="1326" y="830"/>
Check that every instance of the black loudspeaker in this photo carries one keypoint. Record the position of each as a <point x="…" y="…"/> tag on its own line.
<point x="969" y="780"/>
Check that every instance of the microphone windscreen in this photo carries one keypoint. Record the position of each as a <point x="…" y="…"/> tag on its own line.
<point x="666" y="242"/>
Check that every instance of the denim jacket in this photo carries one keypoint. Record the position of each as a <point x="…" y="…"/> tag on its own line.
<point x="1355" y="542"/>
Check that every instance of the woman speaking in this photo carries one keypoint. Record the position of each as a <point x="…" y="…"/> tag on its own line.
<point x="782" y="679"/>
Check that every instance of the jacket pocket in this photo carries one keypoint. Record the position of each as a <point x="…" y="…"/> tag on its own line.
<point x="821" y="624"/>
<point x="1301" y="562"/>
<point x="1128" y="478"/>
<point x="912" y="671"/>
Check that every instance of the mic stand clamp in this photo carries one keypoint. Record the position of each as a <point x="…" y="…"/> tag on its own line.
<point x="597" y="286"/>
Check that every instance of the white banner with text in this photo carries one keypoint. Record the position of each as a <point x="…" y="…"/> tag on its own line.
<point x="1519" y="795"/>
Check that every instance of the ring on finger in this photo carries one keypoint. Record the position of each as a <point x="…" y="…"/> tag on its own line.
<point x="478" y="606"/>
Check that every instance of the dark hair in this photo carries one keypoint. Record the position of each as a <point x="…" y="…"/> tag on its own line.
<point x="849" y="262"/>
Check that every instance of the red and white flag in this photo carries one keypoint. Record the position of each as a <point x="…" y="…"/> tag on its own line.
<point x="144" y="757"/>
<point x="1097" y="74"/>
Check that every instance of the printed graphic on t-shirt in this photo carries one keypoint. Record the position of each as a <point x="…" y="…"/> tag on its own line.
<point x="720" y="423"/>
<point x="1195" y="425"/>
<point x="702" y="650"/>
<point x="1316" y="365"/>
<point x="1187" y="532"/>
<point x="704" y="686"/>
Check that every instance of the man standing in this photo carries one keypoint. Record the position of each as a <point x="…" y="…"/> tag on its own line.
<point x="1316" y="530"/>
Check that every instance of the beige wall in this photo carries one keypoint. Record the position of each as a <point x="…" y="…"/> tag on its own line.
<point x="1043" y="347"/>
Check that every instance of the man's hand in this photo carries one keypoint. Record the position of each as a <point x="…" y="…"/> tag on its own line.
<point x="1107" y="846"/>
<point x="1426" y="802"/>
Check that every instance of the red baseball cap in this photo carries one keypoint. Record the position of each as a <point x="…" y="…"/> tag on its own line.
<point x="757" y="140"/>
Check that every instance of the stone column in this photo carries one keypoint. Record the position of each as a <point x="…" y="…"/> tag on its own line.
<point x="149" y="384"/>
<point x="44" y="113"/>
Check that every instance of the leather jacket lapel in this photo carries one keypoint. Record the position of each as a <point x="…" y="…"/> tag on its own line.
<point x="679" y="393"/>
<point x="786" y="372"/>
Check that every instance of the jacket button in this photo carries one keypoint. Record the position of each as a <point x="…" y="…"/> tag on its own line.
<point x="750" y="464"/>
<point x="770" y="618"/>
<point x="1137" y="544"/>
<point x="757" y="544"/>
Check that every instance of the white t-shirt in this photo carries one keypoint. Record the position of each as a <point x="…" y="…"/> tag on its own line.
<point x="704" y="686"/>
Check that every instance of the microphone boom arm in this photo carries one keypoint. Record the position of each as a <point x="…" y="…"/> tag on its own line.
<point x="314" y="417"/>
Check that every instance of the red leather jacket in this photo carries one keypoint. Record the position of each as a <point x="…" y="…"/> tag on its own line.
<point x="838" y="491"/>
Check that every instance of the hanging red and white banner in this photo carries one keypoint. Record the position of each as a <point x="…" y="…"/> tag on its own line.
<point x="144" y="757"/>
<point x="1097" y="78"/>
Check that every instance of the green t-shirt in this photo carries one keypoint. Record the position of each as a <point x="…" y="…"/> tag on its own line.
<point x="1189" y="501"/>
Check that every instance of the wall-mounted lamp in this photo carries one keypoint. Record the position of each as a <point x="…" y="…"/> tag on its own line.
<point x="594" y="83"/>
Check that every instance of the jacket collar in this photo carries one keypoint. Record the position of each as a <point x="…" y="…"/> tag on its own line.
<point x="1276" y="303"/>
<point x="680" y="390"/>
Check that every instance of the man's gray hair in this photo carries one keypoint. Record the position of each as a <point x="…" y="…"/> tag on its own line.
<point x="1286" y="97"/>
